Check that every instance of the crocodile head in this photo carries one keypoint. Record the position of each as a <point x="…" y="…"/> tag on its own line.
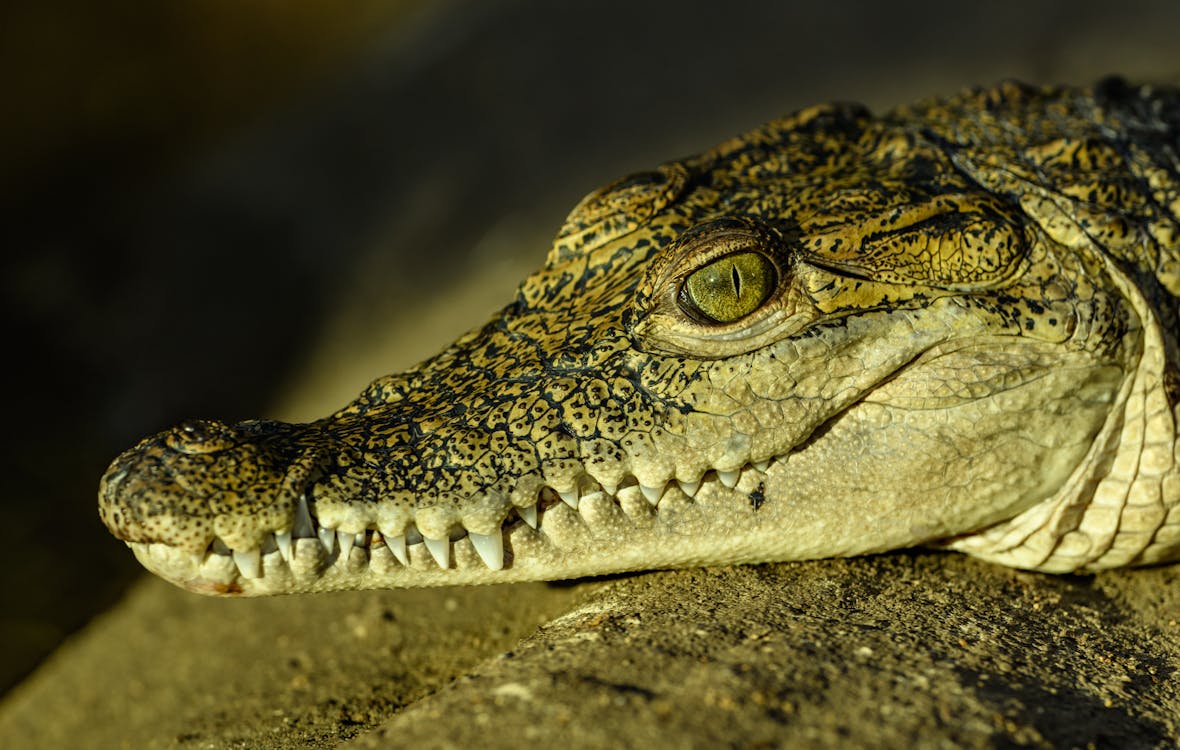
<point x="834" y="335"/>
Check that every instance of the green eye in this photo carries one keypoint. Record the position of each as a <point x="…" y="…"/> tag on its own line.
<point x="729" y="288"/>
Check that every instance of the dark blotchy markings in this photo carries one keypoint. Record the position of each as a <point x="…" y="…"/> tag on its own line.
<point x="758" y="496"/>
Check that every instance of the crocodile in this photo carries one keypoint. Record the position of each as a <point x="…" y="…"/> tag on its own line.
<point x="953" y="325"/>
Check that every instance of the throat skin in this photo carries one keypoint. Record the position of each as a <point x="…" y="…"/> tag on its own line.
<point x="951" y="325"/>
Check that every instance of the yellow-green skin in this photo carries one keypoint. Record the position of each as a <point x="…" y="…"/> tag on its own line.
<point x="837" y="334"/>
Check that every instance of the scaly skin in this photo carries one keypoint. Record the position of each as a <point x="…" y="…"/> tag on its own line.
<point x="953" y="325"/>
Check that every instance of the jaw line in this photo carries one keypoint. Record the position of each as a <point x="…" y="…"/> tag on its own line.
<point x="536" y="542"/>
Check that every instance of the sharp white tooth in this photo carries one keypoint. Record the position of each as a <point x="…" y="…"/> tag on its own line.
<point x="249" y="562"/>
<point x="345" y="541"/>
<point x="490" y="548"/>
<point x="570" y="498"/>
<point x="689" y="488"/>
<point x="440" y="550"/>
<point x="590" y="498"/>
<point x="729" y="478"/>
<point x="283" y="542"/>
<point x="762" y="466"/>
<point x="529" y="515"/>
<point x="304" y="526"/>
<point x="360" y="540"/>
<point x="610" y="488"/>
<point x="327" y="538"/>
<point x="653" y="494"/>
<point x="397" y="545"/>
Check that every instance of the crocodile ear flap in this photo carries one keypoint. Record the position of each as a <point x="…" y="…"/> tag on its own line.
<point x="960" y="242"/>
<point x="617" y="210"/>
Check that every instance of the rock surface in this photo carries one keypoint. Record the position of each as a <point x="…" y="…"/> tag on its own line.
<point x="168" y="669"/>
<point x="905" y="650"/>
<point x="917" y="651"/>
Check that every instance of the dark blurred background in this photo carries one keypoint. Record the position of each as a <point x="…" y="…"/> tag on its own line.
<point x="238" y="209"/>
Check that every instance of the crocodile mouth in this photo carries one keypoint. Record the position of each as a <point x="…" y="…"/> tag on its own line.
<point x="313" y="556"/>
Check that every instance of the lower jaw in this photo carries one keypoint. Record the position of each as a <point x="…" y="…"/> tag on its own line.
<point x="716" y="525"/>
<point x="311" y="568"/>
<point x="601" y="537"/>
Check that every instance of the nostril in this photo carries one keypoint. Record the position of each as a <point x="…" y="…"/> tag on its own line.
<point x="195" y="436"/>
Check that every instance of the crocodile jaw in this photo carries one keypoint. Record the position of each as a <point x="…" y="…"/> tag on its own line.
<point x="603" y="535"/>
<point x="715" y="526"/>
<point x="801" y="505"/>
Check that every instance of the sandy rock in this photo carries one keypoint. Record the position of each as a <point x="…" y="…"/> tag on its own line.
<point x="899" y="651"/>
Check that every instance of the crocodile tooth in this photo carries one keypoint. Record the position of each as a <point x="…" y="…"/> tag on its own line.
<point x="304" y="526"/>
<point x="762" y="466"/>
<point x="283" y="542"/>
<point x="689" y="488"/>
<point x="440" y="550"/>
<point x="610" y="488"/>
<point x="362" y="540"/>
<point x="653" y="494"/>
<point x="490" y="548"/>
<point x="397" y="545"/>
<point x="569" y="497"/>
<point x="729" y="478"/>
<point x="529" y="515"/>
<point x="327" y="538"/>
<point x="249" y="562"/>
<point x="590" y="499"/>
<point x="346" y="542"/>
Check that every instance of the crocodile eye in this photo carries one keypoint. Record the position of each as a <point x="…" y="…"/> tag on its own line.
<point x="721" y="288"/>
<point x="729" y="288"/>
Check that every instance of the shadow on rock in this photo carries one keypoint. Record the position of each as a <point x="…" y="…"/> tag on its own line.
<point x="896" y="651"/>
